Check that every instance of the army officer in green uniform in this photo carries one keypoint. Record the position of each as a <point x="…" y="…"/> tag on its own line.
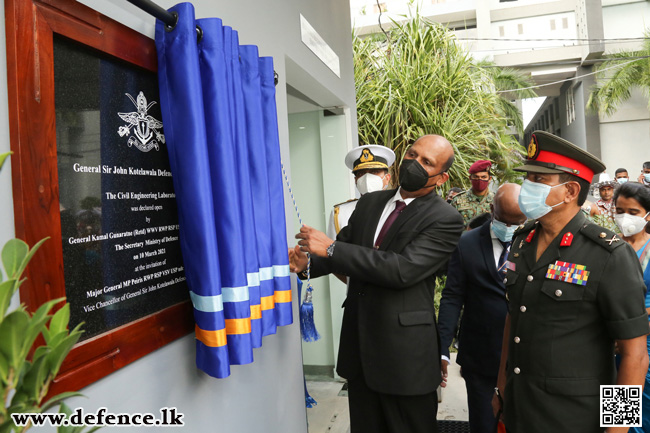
<point x="476" y="200"/>
<point x="574" y="289"/>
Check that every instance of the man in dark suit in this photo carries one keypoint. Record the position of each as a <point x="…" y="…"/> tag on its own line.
<point x="393" y="245"/>
<point x="475" y="282"/>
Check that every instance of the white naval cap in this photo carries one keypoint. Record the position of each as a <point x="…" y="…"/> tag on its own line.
<point x="369" y="156"/>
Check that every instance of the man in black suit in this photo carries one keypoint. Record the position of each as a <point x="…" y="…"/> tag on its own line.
<point x="393" y="245"/>
<point x="475" y="282"/>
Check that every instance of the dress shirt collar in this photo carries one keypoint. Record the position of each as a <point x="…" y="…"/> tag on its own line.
<point x="398" y="197"/>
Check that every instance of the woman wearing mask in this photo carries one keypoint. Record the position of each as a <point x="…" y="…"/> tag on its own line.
<point x="632" y="201"/>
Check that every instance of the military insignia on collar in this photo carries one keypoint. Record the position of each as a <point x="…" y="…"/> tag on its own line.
<point x="530" y="236"/>
<point x="533" y="148"/>
<point x="613" y="239"/>
<point x="366" y="156"/>
<point x="566" y="239"/>
<point x="568" y="272"/>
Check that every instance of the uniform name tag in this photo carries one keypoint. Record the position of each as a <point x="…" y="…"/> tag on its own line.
<point x="568" y="272"/>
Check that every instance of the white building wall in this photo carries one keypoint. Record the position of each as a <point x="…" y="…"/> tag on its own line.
<point x="625" y="145"/>
<point x="625" y="135"/>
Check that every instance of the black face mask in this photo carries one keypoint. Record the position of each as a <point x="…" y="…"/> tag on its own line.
<point x="412" y="176"/>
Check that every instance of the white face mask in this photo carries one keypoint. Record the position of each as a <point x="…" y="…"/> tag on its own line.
<point x="630" y="224"/>
<point x="370" y="183"/>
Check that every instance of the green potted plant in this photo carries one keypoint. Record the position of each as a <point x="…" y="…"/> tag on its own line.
<point x="26" y="374"/>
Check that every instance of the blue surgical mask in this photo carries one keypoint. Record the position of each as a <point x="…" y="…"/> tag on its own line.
<point x="532" y="199"/>
<point x="621" y="180"/>
<point x="646" y="177"/>
<point x="502" y="231"/>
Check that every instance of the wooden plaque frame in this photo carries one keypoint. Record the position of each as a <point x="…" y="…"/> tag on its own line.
<point x="30" y="26"/>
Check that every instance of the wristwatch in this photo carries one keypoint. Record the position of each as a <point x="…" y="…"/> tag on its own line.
<point x="330" y="249"/>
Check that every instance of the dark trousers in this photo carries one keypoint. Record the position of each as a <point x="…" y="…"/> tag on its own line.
<point x="374" y="412"/>
<point x="480" y="389"/>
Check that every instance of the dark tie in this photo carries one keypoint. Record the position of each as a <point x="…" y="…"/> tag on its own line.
<point x="399" y="207"/>
<point x="501" y="267"/>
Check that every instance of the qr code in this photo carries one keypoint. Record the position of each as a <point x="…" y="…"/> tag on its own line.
<point x="620" y="405"/>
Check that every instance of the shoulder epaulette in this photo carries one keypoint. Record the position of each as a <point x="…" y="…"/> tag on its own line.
<point x="347" y="201"/>
<point x="458" y="197"/>
<point x="601" y="236"/>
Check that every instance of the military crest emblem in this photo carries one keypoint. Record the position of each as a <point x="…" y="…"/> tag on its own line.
<point x="366" y="156"/>
<point x="533" y="148"/>
<point x="144" y="127"/>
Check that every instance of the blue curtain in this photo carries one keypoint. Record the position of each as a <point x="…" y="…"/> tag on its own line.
<point x="220" y="123"/>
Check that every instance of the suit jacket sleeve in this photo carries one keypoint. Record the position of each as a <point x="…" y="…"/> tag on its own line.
<point x="453" y="298"/>
<point x="425" y="254"/>
<point x="323" y="265"/>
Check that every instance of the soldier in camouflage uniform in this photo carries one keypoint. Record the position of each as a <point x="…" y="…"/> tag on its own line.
<point x="477" y="200"/>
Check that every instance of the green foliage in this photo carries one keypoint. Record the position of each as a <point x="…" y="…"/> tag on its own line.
<point x="24" y="382"/>
<point x="423" y="82"/>
<point x="3" y="158"/>
<point x="617" y="76"/>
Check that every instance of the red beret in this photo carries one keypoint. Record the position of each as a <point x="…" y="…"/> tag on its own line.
<point x="480" y="165"/>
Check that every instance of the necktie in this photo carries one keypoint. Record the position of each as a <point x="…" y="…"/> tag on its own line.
<point x="399" y="207"/>
<point x="501" y="266"/>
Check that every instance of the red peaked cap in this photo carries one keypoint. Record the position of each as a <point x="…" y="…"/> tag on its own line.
<point x="480" y="165"/>
<point x="548" y="153"/>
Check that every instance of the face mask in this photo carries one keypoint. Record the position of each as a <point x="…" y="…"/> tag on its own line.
<point x="532" y="199"/>
<point x="646" y="177"/>
<point x="621" y="180"/>
<point x="479" y="184"/>
<point x="502" y="231"/>
<point x="412" y="176"/>
<point x="630" y="224"/>
<point x="370" y="183"/>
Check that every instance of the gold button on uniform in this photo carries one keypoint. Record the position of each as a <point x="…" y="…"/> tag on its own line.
<point x="517" y="339"/>
<point x="602" y="235"/>
<point x="522" y="308"/>
<point x="529" y="278"/>
<point x="558" y="293"/>
<point x="517" y="370"/>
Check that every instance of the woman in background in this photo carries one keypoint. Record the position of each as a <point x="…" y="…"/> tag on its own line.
<point x="632" y="201"/>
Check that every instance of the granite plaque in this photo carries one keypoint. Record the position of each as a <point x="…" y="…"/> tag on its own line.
<point x="119" y="224"/>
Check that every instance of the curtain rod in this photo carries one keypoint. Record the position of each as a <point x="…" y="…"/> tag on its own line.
<point x="170" y="19"/>
<point x="153" y="9"/>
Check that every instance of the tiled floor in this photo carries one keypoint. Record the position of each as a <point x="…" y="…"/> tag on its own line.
<point x="331" y="415"/>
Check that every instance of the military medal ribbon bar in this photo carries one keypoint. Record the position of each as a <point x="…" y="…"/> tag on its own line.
<point x="568" y="272"/>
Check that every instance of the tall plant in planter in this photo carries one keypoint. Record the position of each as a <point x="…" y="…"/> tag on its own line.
<point x="26" y="375"/>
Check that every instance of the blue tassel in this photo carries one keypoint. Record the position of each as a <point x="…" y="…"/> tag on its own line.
<point x="307" y="325"/>
<point x="309" y="401"/>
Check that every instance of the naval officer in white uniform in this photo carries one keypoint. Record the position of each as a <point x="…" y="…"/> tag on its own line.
<point x="369" y="165"/>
